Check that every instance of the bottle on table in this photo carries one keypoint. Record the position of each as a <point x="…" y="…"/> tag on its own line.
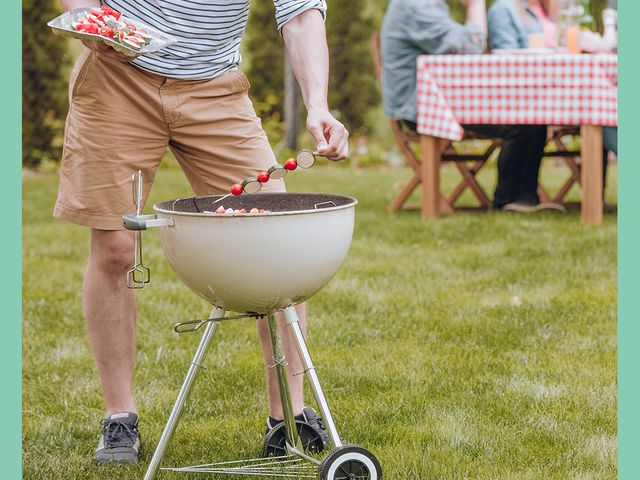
<point x="586" y="20"/>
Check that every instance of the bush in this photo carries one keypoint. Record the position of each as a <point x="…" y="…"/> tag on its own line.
<point x="45" y="62"/>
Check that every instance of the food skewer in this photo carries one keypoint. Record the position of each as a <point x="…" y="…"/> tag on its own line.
<point x="303" y="159"/>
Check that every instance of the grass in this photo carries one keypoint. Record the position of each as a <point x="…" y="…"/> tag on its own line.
<point x="424" y="358"/>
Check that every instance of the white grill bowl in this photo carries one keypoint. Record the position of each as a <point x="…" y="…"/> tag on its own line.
<point x="258" y="263"/>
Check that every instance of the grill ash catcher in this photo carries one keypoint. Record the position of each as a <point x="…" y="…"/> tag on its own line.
<point x="221" y="258"/>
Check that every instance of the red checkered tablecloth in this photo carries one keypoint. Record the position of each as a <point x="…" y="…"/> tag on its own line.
<point x="544" y="89"/>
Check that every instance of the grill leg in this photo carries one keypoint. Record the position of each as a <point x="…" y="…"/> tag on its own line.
<point x="189" y="380"/>
<point x="279" y="363"/>
<point x="291" y="318"/>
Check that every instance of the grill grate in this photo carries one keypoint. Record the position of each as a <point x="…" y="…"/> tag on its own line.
<point x="275" y="202"/>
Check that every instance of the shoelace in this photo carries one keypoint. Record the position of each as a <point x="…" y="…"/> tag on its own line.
<point x="318" y="424"/>
<point x="119" y="434"/>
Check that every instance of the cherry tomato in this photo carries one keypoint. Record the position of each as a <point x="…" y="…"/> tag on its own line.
<point x="291" y="164"/>
<point x="263" y="177"/>
<point x="236" y="189"/>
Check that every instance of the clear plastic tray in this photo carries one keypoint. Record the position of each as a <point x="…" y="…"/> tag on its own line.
<point x="62" y="25"/>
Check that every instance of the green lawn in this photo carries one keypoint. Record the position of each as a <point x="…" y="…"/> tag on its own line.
<point x="424" y="358"/>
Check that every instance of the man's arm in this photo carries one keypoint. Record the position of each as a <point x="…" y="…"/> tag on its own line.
<point x="477" y="14"/>
<point x="433" y="31"/>
<point x="95" y="45"/>
<point x="306" y="41"/>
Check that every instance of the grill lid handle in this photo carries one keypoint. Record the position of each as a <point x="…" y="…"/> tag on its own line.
<point x="144" y="222"/>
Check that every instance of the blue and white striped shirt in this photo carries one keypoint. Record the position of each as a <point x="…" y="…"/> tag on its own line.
<point x="208" y="32"/>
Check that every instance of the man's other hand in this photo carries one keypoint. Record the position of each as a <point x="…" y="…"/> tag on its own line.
<point x="331" y="136"/>
<point x="106" y="50"/>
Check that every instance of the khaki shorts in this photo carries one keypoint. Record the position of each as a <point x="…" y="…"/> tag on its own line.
<point x="122" y="119"/>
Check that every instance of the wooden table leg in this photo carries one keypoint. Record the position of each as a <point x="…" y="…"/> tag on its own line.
<point x="430" y="175"/>
<point x="591" y="174"/>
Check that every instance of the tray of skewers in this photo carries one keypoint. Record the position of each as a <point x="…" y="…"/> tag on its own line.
<point x="125" y="35"/>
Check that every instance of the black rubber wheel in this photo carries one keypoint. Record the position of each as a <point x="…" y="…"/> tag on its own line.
<point x="350" y="462"/>
<point x="274" y="444"/>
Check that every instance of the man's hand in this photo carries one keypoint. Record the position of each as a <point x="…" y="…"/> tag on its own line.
<point x="107" y="51"/>
<point x="95" y="45"/>
<point x="332" y="138"/>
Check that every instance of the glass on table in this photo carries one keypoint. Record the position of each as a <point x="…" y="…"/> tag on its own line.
<point x="569" y="14"/>
<point x="537" y="40"/>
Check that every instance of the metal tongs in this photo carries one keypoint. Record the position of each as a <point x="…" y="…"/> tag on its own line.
<point x="138" y="275"/>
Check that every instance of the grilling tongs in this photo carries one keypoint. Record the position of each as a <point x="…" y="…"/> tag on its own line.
<point x="138" y="275"/>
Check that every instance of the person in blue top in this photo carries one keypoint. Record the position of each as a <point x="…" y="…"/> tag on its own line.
<point x="511" y="22"/>
<point x="414" y="27"/>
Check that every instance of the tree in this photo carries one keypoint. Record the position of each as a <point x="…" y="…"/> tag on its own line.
<point x="352" y="79"/>
<point x="45" y="61"/>
<point x="352" y="82"/>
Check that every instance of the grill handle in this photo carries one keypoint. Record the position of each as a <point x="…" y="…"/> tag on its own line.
<point x="144" y="222"/>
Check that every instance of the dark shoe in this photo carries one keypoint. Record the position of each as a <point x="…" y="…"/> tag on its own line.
<point x="120" y="439"/>
<point x="312" y="418"/>
<point x="311" y="430"/>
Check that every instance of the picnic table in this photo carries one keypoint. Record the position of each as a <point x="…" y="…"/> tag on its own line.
<point x="516" y="88"/>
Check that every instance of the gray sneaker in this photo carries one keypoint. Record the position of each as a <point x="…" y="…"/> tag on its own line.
<point x="120" y="439"/>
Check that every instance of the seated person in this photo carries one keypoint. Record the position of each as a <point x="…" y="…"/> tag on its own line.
<point x="512" y="21"/>
<point x="415" y="27"/>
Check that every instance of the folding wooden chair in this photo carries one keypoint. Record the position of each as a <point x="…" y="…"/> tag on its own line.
<point x="467" y="164"/>
<point x="570" y="157"/>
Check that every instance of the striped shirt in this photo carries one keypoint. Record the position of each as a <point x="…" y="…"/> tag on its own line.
<point x="208" y="32"/>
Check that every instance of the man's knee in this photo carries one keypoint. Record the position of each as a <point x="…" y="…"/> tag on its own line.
<point x="112" y="251"/>
<point x="526" y="132"/>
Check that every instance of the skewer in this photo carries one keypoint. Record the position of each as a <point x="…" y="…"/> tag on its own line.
<point x="253" y="182"/>
<point x="221" y="198"/>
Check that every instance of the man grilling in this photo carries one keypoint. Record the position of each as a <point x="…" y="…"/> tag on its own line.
<point x="190" y="98"/>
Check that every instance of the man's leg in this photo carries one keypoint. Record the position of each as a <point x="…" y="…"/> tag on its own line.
<point x="110" y="314"/>
<point x="99" y="158"/>
<point x="534" y="137"/>
<point x="219" y="141"/>
<point x="294" y="365"/>
<point x="518" y="161"/>
<point x="609" y="144"/>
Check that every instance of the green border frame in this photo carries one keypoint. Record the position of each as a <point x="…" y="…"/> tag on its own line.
<point x="10" y="241"/>
<point x="629" y="256"/>
<point x="628" y="242"/>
